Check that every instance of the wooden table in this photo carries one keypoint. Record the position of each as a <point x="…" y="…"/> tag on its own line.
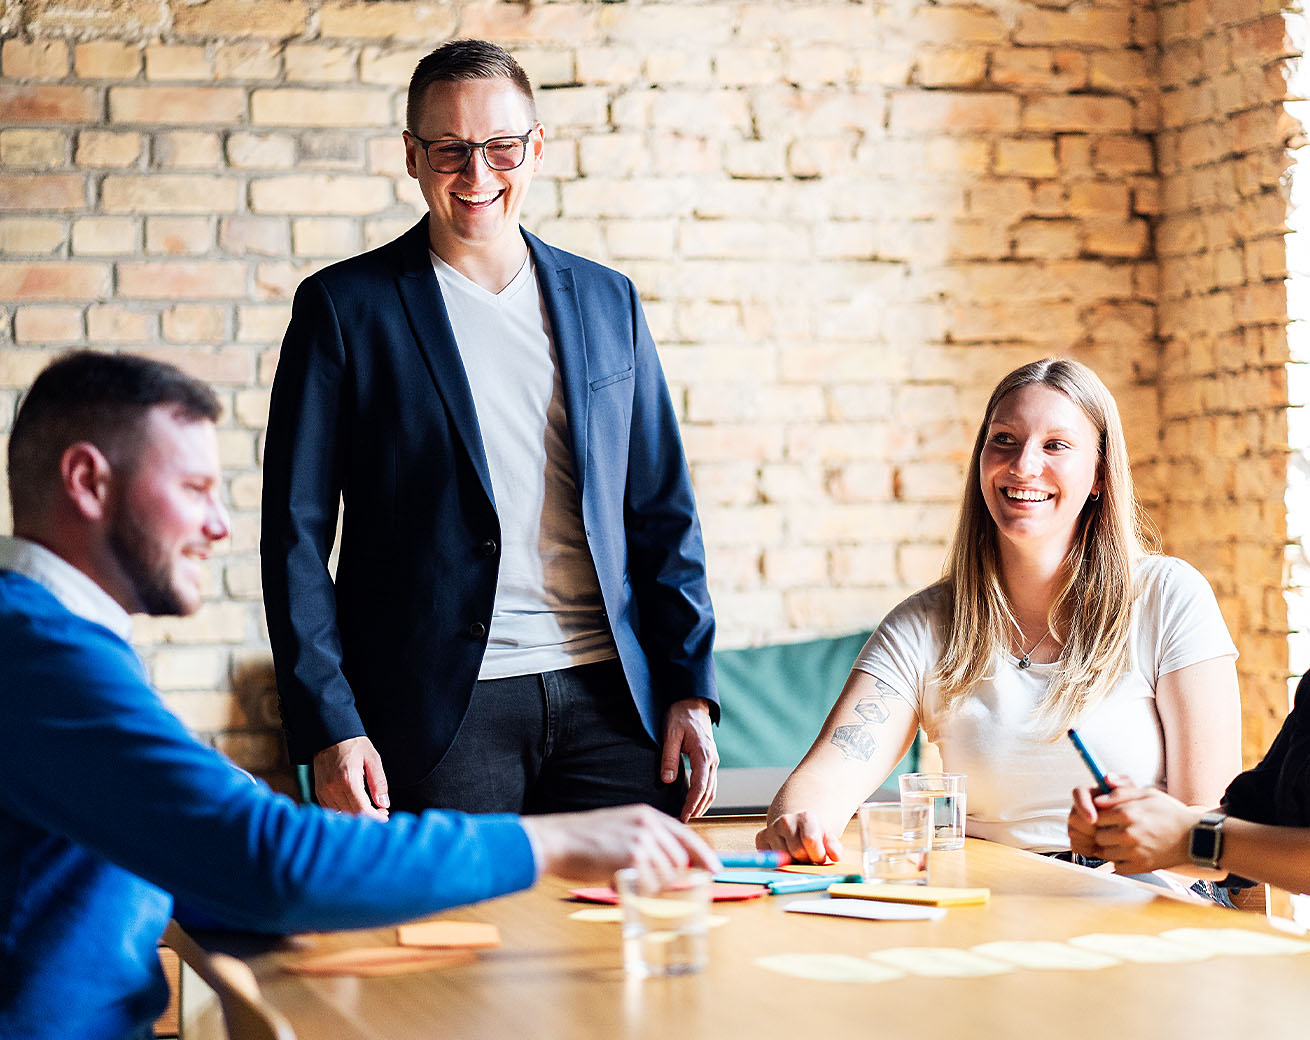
<point x="554" y="977"/>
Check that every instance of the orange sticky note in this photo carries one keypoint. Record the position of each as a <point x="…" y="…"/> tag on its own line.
<point x="844" y="866"/>
<point x="465" y="935"/>
<point x="377" y="960"/>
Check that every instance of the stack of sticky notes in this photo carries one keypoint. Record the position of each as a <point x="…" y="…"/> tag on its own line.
<point x="922" y="895"/>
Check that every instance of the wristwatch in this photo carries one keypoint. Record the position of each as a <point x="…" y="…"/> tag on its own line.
<point x="1206" y="844"/>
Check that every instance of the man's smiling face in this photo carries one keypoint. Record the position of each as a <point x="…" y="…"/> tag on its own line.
<point x="474" y="212"/>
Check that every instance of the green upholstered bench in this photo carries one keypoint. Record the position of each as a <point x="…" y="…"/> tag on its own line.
<point x="774" y="700"/>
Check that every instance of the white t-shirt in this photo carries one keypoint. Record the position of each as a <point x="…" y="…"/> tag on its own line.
<point x="548" y="612"/>
<point x="1018" y="778"/>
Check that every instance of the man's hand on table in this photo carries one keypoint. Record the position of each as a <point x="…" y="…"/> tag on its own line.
<point x="688" y="731"/>
<point x="348" y="777"/>
<point x="591" y="846"/>
<point x="802" y="836"/>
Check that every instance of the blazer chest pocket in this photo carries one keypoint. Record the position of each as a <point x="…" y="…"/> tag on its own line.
<point x="610" y="380"/>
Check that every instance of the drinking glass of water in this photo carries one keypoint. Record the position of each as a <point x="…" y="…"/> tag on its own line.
<point x="944" y="793"/>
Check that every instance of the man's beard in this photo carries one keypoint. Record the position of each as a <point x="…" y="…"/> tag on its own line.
<point x="146" y="568"/>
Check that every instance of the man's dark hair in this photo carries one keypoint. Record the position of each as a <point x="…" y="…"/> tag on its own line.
<point x="462" y="60"/>
<point x="95" y="397"/>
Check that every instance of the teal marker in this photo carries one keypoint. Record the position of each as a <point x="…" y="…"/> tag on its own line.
<point x="810" y="883"/>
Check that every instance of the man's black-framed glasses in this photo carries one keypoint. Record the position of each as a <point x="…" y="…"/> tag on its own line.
<point x="450" y="155"/>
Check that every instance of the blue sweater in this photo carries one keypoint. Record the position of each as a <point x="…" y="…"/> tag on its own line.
<point x="109" y="808"/>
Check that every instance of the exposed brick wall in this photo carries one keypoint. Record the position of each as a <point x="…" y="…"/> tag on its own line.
<point x="847" y="221"/>
<point x="1222" y="153"/>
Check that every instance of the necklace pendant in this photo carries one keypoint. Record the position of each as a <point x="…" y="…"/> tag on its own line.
<point x="1024" y="663"/>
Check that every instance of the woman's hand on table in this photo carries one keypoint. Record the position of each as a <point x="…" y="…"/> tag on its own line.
<point x="802" y="836"/>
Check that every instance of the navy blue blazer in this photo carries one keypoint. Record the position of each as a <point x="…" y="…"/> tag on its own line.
<point x="370" y="403"/>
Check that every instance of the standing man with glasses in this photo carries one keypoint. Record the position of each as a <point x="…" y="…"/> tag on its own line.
<point x="519" y="618"/>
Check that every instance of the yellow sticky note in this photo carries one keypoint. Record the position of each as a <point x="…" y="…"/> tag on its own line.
<point x="923" y="895"/>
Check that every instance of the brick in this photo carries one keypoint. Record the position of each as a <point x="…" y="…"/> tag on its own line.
<point x="206" y="712"/>
<point x="169" y="193"/>
<point x="277" y="280"/>
<point x="166" y="279"/>
<point x="869" y="564"/>
<point x="1091" y="114"/>
<point x="804" y="23"/>
<point x="745" y="66"/>
<point x="952" y="67"/>
<point x="1120" y="155"/>
<point x="37" y="59"/>
<point x="1098" y="199"/>
<point x="288" y="106"/>
<point x="187" y="668"/>
<point x="324" y="193"/>
<point x="319" y="63"/>
<point x="102" y="236"/>
<point x="177" y="105"/>
<point x="262" y="323"/>
<point x="1050" y="70"/>
<point x="330" y="149"/>
<point x="1027" y="157"/>
<point x="48" y="104"/>
<point x="273" y="19"/>
<point x="1120" y="71"/>
<point x="106" y="59"/>
<point x="177" y="62"/>
<point x="48" y="325"/>
<point x="66" y="280"/>
<point x="85" y="19"/>
<point x="1104" y="26"/>
<point x="810" y="66"/>
<point x="247" y="60"/>
<point x="611" y="64"/>
<point x="19" y="368"/>
<point x="179" y="236"/>
<point x="325" y="236"/>
<point x="247" y="150"/>
<point x="194" y="323"/>
<point x="251" y="407"/>
<point x="108" y="148"/>
<point x="947" y="111"/>
<point x="389" y="66"/>
<point x="258" y="236"/>
<point x="520" y="24"/>
<point x="36" y="149"/>
<point x="389" y="19"/>
<point x="181" y="149"/>
<point x="114" y="323"/>
<point x="1047" y="238"/>
<point x="34" y="236"/>
<point x="56" y="191"/>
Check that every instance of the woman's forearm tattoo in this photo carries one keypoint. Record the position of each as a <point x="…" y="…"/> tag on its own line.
<point x="856" y="740"/>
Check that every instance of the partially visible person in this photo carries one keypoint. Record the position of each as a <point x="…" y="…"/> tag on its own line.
<point x="1052" y="613"/>
<point x="109" y="808"/>
<point x="1260" y="830"/>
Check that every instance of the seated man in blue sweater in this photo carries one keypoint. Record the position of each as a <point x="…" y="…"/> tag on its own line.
<point x="109" y="808"/>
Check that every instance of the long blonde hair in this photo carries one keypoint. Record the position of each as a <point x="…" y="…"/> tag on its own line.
<point x="1093" y="607"/>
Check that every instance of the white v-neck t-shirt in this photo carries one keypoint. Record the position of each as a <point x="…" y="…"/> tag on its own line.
<point x="1019" y="779"/>
<point x="548" y="611"/>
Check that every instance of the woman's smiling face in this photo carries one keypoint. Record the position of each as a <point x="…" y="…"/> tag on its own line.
<point x="1039" y="464"/>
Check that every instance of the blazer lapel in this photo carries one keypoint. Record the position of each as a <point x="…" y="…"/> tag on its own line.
<point x="563" y="310"/>
<point x="421" y="296"/>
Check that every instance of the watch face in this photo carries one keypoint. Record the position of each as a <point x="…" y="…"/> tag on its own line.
<point x="1205" y="842"/>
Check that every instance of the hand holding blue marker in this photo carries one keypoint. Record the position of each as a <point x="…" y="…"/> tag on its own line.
<point x="1098" y="774"/>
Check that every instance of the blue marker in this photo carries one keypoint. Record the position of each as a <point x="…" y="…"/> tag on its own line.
<point x="762" y="860"/>
<point x="812" y="883"/>
<point x="1097" y="773"/>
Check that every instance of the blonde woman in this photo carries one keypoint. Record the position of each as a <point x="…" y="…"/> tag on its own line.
<point x="1053" y="613"/>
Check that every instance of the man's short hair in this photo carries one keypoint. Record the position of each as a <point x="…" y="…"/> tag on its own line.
<point x="95" y="397"/>
<point x="462" y="60"/>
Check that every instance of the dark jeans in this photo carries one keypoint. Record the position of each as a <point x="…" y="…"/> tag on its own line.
<point x="555" y="742"/>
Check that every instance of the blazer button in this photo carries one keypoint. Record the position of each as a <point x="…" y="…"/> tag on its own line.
<point x="477" y="630"/>
<point x="487" y="547"/>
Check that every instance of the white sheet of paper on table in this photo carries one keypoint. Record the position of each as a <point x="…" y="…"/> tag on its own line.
<point x="867" y="909"/>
